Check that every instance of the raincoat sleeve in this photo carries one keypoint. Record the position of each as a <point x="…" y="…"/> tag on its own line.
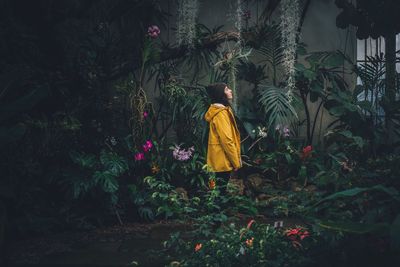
<point x="223" y="127"/>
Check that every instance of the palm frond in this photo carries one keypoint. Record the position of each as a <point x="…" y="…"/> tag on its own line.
<point x="277" y="106"/>
<point x="271" y="47"/>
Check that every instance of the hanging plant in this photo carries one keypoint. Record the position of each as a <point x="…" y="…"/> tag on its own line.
<point x="290" y="19"/>
<point x="187" y="14"/>
<point x="239" y="19"/>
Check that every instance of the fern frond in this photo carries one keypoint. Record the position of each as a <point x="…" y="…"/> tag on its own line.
<point x="276" y="104"/>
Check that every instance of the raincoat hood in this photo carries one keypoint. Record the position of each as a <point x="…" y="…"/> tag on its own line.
<point x="213" y="110"/>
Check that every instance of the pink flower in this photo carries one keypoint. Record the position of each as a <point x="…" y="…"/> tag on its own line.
<point x="145" y="114"/>
<point x="147" y="146"/>
<point x="286" y="131"/>
<point x="153" y="31"/>
<point x="139" y="156"/>
<point x="182" y="154"/>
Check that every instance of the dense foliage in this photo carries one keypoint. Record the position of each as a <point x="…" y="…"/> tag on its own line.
<point x="102" y="123"/>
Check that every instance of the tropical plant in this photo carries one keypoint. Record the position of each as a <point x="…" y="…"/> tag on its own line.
<point x="278" y="108"/>
<point x="96" y="177"/>
<point x="233" y="245"/>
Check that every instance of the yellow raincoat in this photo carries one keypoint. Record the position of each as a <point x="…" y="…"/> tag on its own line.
<point x="223" y="153"/>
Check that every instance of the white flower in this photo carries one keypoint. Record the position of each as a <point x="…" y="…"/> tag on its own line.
<point x="113" y="141"/>
<point x="262" y="132"/>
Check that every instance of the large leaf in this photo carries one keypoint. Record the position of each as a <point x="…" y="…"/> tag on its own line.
<point x="276" y="105"/>
<point x="271" y="47"/>
<point x="106" y="180"/>
<point x="83" y="160"/>
<point x="355" y="191"/>
<point x="356" y="228"/>
<point x="114" y="163"/>
<point x="250" y="129"/>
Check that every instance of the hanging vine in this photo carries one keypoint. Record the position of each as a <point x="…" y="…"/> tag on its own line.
<point x="187" y="15"/>
<point x="290" y="19"/>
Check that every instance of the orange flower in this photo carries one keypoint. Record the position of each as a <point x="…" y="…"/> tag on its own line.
<point x="155" y="169"/>
<point x="247" y="228"/>
<point x="197" y="247"/>
<point x="249" y="242"/>
<point x="211" y="184"/>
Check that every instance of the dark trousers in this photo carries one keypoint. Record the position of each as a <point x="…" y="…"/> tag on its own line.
<point x="223" y="181"/>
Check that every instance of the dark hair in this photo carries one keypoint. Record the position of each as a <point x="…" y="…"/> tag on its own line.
<point x="216" y="92"/>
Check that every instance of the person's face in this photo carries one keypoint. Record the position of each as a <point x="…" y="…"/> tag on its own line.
<point x="228" y="93"/>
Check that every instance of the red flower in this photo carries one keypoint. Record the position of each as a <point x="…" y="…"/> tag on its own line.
<point x="296" y="235"/>
<point x="211" y="184"/>
<point x="304" y="235"/>
<point x="293" y="231"/>
<point x="306" y="153"/>
<point x="197" y="247"/>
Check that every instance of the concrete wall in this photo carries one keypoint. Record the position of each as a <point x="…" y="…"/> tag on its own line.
<point x="319" y="32"/>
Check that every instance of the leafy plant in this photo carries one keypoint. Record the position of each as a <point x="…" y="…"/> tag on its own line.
<point x="96" y="178"/>
<point x="277" y="107"/>
<point x="232" y="245"/>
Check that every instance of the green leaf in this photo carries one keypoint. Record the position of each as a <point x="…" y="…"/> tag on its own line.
<point x="337" y="111"/>
<point x="334" y="60"/>
<point x="277" y="106"/>
<point x="300" y="67"/>
<point x="84" y="160"/>
<point x="309" y="74"/>
<point x="106" y="180"/>
<point x="355" y="191"/>
<point x="114" y="163"/>
<point x="356" y="228"/>
<point x="249" y="129"/>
